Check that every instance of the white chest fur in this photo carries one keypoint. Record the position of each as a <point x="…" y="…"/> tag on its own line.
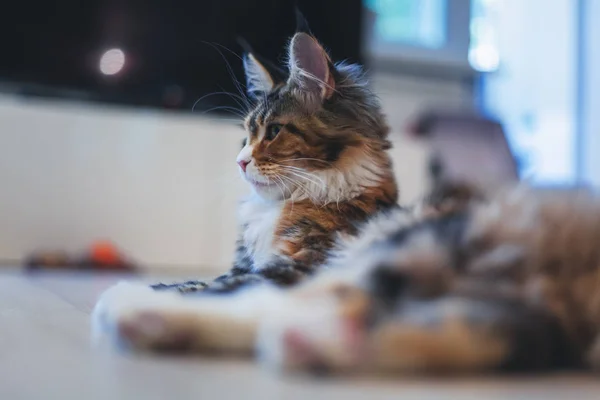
<point x="259" y="219"/>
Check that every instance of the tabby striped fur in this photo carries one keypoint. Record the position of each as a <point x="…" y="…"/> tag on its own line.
<point x="316" y="158"/>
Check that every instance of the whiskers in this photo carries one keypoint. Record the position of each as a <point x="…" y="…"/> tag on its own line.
<point x="280" y="179"/>
<point x="241" y="99"/>
<point x="308" y="159"/>
<point x="329" y="164"/>
<point x="324" y="187"/>
<point x="303" y="184"/>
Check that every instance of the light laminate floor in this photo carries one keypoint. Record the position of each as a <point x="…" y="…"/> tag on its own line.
<point x="45" y="353"/>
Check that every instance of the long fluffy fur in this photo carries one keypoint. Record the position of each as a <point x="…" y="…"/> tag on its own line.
<point x="325" y="170"/>
<point x="512" y="283"/>
<point x="459" y="283"/>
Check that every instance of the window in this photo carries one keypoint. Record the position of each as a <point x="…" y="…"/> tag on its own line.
<point x="411" y="22"/>
<point x="533" y="87"/>
<point x="431" y="32"/>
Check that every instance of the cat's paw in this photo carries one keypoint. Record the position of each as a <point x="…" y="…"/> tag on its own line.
<point x="292" y="348"/>
<point x="115" y="302"/>
<point x="320" y="331"/>
<point x="155" y="330"/>
<point x="135" y="317"/>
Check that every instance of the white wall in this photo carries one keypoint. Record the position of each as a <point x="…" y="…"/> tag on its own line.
<point x="162" y="186"/>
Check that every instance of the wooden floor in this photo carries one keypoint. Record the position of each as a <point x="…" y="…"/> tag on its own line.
<point x="45" y="353"/>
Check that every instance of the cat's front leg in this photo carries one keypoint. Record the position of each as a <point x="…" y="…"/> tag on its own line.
<point x="133" y="316"/>
<point x="239" y="275"/>
<point x="227" y="283"/>
<point x="181" y="287"/>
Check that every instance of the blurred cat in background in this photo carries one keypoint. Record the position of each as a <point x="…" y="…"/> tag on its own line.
<point x="509" y="283"/>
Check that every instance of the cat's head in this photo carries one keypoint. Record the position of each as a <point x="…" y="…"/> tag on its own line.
<point x="315" y="131"/>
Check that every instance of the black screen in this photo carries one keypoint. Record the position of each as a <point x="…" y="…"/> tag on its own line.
<point x="175" y="51"/>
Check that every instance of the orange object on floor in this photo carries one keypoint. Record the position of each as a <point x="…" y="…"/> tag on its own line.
<point x="104" y="253"/>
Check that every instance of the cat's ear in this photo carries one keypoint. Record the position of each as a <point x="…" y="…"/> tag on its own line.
<point x="310" y="67"/>
<point x="261" y="74"/>
<point x="258" y="78"/>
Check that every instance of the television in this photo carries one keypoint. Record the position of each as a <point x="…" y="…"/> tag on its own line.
<point x="157" y="53"/>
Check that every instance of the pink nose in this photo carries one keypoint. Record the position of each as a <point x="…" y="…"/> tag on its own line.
<point x="243" y="164"/>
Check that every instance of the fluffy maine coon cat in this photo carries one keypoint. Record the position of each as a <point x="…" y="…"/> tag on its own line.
<point x="510" y="281"/>
<point x="316" y="158"/>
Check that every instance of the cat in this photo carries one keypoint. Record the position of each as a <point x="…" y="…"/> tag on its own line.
<point x="510" y="282"/>
<point x="316" y="158"/>
<point x="465" y="282"/>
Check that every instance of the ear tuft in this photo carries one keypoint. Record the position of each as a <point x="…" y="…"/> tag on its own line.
<point x="258" y="79"/>
<point x="310" y="66"/>
<point x="301" y="22"/>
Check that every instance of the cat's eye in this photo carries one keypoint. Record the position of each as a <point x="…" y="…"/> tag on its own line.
<point x="272" y="131"/>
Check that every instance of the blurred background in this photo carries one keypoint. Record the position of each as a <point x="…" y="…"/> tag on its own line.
<point x="119" y="119"/>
